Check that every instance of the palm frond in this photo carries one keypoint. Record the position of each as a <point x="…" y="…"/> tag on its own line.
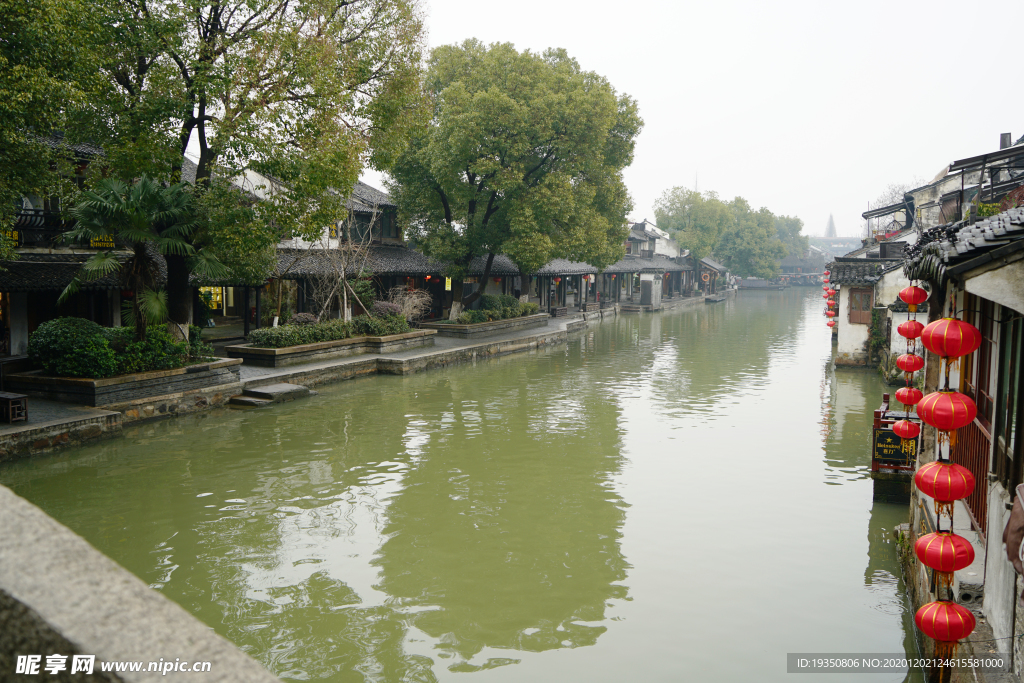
<point x="69" y="291"/>
<point x="173" y="246"/>
<point x="153" y="304"/>
<point x="100" y="264"/>
<point x="205" y="264"/>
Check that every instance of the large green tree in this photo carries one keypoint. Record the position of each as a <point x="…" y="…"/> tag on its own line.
<point x="788" y="229"/>
<point x="522" y="155"/>
<point x="46" y="65"/>
<point x="306" y="93"/>
<point x="749" y="246"/>
<point x="695" y="221"/>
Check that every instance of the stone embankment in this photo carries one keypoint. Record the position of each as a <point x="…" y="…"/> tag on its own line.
<point x="78" y="411"/>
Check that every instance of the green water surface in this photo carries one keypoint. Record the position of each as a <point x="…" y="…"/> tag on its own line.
<point x="666" y="497"/>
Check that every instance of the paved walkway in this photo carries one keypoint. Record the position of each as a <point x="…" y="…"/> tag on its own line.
<point x="45" y="413"/>
<point x="441" y="345"/>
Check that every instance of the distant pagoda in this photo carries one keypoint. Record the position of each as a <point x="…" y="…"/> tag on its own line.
<point x="830" y="231"/>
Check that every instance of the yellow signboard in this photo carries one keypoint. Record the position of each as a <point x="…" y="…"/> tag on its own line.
<point x="104" y="242"/>
<point x="447" y="284"/>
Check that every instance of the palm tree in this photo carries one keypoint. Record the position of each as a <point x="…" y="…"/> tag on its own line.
<point x="147" y="219"/>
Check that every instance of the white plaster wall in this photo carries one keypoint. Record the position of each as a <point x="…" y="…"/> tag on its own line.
<point x="852" y="337"/>
<point x="19" y="323"/>
<point x="666" y="247"/>
<point x="1000" y="578"/>
<point x="897" y="343"/>
<point x="1003" y="285"/>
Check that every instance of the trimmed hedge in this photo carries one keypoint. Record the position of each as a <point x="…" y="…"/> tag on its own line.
<point x="500" y="307"/>
<point x="328" y="330"/>
<point x="76" y="347"/>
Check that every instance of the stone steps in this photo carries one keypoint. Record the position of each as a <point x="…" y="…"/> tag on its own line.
<point x="271" y="393"/>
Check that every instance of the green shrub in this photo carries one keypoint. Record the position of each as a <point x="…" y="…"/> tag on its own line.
<point x="75" y="347"/>
<point x="72" y="347"/>
<point x="294" y="335"/>
<point x="380" y="326"/>
<point x="530" y="308"/>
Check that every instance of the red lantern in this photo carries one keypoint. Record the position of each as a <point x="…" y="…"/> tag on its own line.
<point x="910" y="329"/>
<point x="944" y="481"/>
<point x="944" y="551"/>
<point x="830" y="313"/>
<point x="905" y="429"/>
<point x="831" y="292"/>
<point x="613" y="276"/>
<point x="827" y="273"/>
<point x="908" y="362"/>
<point x="947" y="410"/>
<point x="824" y="279"/>
<point x="951" y="338"/>
<point x="908" y="396"/>
<point x="831" y="323"/>
<point x="913" y="296"/>
<point x="824" y="295"/>
<point x="557" y="280"/>
<point x="946" y="622"/>
<point x="831" y="303"/>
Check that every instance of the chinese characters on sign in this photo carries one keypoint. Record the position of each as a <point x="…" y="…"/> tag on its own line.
<point x="891" y="452"/>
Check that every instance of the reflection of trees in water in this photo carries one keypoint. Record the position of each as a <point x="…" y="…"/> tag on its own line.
<point x="693" y="357"/>
<point x="507" y="527"/>
<point x="484" y="493"/>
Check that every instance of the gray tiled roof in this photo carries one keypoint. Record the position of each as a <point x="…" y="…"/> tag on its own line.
<point x="53" y="272"/>
<point x="560" y="266"/>
<point x="858" y="271"/>
<point x="955" y="247"/>
<point x="57" y="141"/>
<point x="710" y="263"/>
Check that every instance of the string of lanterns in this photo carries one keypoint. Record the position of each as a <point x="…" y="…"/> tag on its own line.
<point x="945" y="552"/>
<point x="829" y="296"/>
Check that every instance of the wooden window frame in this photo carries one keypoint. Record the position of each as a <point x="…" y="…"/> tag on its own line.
<point x="862" y="316"/>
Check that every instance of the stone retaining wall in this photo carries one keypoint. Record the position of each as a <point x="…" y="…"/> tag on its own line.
<point x="125" y="389"/>
<point x="493" y="327"/>
<point x="48" y="437"/>
<point x="321" y="351"/>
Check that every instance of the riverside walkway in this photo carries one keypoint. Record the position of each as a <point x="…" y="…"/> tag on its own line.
<point x="53" y="424"/>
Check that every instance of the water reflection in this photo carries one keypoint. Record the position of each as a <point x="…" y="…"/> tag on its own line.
<point x="658" y="497"/>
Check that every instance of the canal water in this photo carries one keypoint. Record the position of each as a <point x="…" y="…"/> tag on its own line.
<point x="677" y="496"/>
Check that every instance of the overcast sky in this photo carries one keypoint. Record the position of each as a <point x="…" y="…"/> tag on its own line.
<point x="806" y="108"/>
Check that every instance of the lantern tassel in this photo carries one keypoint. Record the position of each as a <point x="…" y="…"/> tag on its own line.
<point x="946" y="649"/>
<point x="944" y="508"/>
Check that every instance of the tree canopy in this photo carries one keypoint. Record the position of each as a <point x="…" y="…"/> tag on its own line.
<point x="522" y="155"/>
<point x="748" y="242"/>
<point x="43" y="72"/>
<point x="696" y="221"/>
<point x="304" y="93"/>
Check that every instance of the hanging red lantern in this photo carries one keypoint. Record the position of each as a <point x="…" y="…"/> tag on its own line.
<point x="824" y="295"/>
<point x="824" y="279"/>
<point x="947" y="410"/>
<point x="945" y="482"/>
<point x="613" y="276"/>
<point x="827" y="273"/>
<point x="946" y="623"/>
<point x="831" y="323"/>
<point x="557" y="280"/>
<point x="831" y="292"/>
<point x="913" y="296"/>
<point x="944" y="551"/>
<point x="905" y="429"/>
<point x="831" y="303"/>
<point x="951" y="338"/>
<point x="830" y="313"/>
<point x="909" y="396"/>
<point x="909" y="362"/>
<point x="911" y="329"/>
